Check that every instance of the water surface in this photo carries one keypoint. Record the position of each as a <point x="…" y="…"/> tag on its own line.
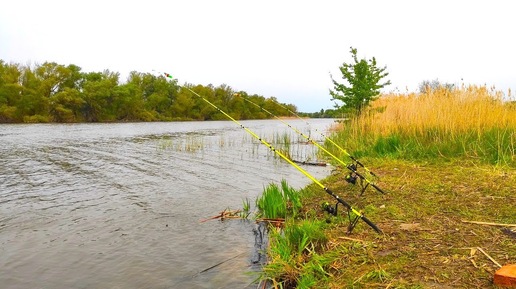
<point x="119" y="205"/>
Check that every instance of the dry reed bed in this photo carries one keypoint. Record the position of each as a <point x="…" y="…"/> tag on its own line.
<point x="469" y="121"/>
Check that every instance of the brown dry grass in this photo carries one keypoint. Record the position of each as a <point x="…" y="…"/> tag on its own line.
<point x="451" y="112"/>
<point x="443" y="157"/>
<point x="425" y="243"/>
<point x="470" y="122"/>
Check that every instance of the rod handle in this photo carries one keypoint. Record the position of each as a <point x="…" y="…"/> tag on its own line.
<point x="378" y="188"/>
<point x="371" y="224"/>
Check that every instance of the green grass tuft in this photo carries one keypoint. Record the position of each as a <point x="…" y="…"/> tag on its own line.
<point x="279" y="201"/>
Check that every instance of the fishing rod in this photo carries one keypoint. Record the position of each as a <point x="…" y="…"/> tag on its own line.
<point x="355" y="160"/>
<point x="353" y="221"/>
<point x="351" y="178"/>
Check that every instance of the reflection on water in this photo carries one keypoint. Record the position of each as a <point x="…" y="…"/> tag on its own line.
<point x="118" y="205"/>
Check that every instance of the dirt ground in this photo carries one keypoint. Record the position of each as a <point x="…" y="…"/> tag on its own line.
<point x="428" y="240"/>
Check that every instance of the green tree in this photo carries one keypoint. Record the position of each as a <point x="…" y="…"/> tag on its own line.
<point x="223" y="95"/>
<point x="66" y="105"/>
<point x="61" y="85"/>
<point x="98" y="94"/>
<point x="271" y="105"/>
<point x="183" y="106"/>
<point x="52" y="77"/>
<point x="52" y="92"/>
<point x="159" y="95"/>
<point x="131" y="97"/>
<point x="363" y="84"/>
<point x="32" y="106"/>
<point x="73" y="78"/>
<point x="207" y="112"/>
<point x="10" y="90"/>
<point x="256" y="112"/>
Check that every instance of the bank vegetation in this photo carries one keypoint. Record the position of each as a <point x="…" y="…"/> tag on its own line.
<point x="446" y="159"/>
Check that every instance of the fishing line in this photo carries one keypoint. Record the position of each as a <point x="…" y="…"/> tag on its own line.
<point x="330" y="140"/>
<point x="351" y="167"/>
<point x="358" y="215"/>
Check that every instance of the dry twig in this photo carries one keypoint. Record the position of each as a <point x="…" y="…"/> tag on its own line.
<point x="489" y="223"/>
<point x="490" y="258"/>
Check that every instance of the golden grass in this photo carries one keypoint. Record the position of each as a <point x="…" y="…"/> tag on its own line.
<point x="451" y="112"/>
<point x="469" y="121"/>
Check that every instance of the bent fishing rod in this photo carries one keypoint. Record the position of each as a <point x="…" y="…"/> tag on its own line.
<point x="355" y="160"/>
<point x="353" y="221"/>
<point x="350" y="178"/>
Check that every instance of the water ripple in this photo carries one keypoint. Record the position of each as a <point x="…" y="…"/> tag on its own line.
<point x="118" y="205"/>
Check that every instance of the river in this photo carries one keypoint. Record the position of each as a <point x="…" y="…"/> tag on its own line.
<point x="119" y="205"/>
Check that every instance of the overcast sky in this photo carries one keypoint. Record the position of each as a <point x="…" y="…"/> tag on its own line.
<point x="281" y="48"/>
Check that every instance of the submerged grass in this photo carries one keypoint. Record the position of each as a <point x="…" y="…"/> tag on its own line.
<point x="294" y="146"/>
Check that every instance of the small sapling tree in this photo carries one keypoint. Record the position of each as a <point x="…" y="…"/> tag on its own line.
<point x="363" y="83"/>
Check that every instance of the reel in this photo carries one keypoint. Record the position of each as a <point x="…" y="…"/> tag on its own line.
<point x="353" y="177"/>
<point x="329" y="209"/>
<point x="334" y="210"/>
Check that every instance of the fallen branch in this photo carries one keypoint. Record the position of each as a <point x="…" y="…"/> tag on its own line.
<point x="352" y="239"/>
<point x="224" y="215"/>
<point x="489" y="223"/>
<point x="321" y="164"/>
<point x="278" y="223"/>
<point x="270" y="220"/>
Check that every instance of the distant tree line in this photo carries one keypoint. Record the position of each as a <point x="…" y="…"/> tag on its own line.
<point x="52" y="92"/>
<point x="427" y="86"/>
<point x="328" y="113"/>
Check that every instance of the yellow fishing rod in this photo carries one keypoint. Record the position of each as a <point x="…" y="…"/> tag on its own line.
<point x="352" y="168"/>
<point x="351" y="210"/>
<point x="331" y="141"/>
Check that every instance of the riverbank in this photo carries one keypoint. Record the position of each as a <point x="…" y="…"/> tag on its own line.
<point x="427" y="240"/>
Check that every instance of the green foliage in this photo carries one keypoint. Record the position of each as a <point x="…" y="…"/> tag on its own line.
<point x="328" y="113"/>
<point x="379" y="275"/>
<point x="293" y="251"/>
<point x="246" y="208"/>
<point x="292" y="196"/>
<point x="279" y="202"/>
<point x="363" y="84"/>
<point x="51" y="92"/>
<point x="7" y="113"/>
<point x="493" y="146"/>
<point x="305" y="234"/>
<point x="293" y="255"/>
<point x="271" y="204"/>
<point x="66" y="105"/>
<point x="387" y="145"/>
